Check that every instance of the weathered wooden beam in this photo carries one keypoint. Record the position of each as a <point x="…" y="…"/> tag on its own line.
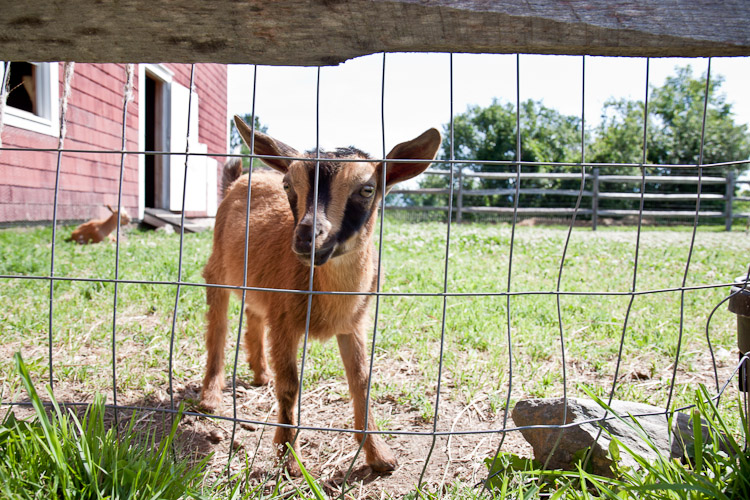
<point x="528" y="210"/>
<point x="659" y="213"/>
<point x="327" y="32"/>
<point x="421" y="191"/>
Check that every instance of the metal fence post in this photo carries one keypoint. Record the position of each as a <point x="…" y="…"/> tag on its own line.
<point x="595" y="199"/>
<point x="739" y="304"/>
<point x="728" y="199"/>
<point x="460" y="194"/>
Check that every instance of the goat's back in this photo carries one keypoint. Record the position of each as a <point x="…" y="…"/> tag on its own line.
<point x="88" y="232"/>
<point x="271" y="227"/>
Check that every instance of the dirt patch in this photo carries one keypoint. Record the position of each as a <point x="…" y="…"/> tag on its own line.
<point x="328" y="455"/>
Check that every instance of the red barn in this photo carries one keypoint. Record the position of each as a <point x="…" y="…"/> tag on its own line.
<point x="157" y="121"/>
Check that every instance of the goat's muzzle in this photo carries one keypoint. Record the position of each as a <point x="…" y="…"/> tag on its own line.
<point x="303" y="242"/>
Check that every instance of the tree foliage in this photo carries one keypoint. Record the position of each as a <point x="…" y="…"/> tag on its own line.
<point x="675" y="118"/>
<point x="674" y="129"/>
<point x="489" y="134"/>
<point x="678" y="107"/>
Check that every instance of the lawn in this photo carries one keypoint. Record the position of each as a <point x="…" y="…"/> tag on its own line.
<point x="596" y="278"/>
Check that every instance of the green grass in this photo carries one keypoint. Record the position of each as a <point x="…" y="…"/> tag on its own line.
<point x="476" y="327"/>
<point x="715" y="466"/>
<point x="476" y="346"/>
<point x="55" y="454"/>
<point x="61" y="456"/>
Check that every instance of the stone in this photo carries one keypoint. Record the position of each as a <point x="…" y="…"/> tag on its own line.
<point x="166" y="229"/>
<point x="216" y="436"/>
<point x="248" y="426"/>
<point x="574" y="439"/>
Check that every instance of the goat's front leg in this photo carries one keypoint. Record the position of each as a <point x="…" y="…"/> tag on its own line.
<point x="284" y="346"/>
<point x="353" y="353"/>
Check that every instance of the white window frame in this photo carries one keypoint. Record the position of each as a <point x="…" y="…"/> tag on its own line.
<point x="48" y="97"/>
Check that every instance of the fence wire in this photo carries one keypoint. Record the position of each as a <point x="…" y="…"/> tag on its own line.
<point x="445" y="294"/>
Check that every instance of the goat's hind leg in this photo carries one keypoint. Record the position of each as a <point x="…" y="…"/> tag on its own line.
<point x="216" y="336"/>
<point x="255" y="347"/>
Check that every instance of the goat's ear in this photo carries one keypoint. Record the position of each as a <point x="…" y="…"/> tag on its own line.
<point x="266" y="146"/>
<point x="110" y="208"/>
<point x="424" y="147"/>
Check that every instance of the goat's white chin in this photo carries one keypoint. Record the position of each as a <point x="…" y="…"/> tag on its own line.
<point x="322" y="255"/>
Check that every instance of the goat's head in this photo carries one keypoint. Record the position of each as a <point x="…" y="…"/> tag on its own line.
<point x="124" y="217"/>
<point x="348" y="192"/>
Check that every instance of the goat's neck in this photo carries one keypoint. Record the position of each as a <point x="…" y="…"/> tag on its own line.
<point x="109" y="224"/>
<point x="352" y="271"/>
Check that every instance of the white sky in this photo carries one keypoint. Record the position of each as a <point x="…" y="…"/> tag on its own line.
<point x="417" y="92"/>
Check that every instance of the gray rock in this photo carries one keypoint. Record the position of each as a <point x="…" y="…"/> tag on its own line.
<point x="574" y="439"/>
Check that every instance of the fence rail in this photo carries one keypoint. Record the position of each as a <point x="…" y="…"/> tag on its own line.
<point x="595" y="194"/>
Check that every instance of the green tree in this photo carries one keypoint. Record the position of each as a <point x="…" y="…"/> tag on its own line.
<point x="674" y="130"/>
<point x="489" y="134"/>
<point x="673" y="137"/>
<point x="674" y="134"/>
<point x="619" y="136"/>
<point x="678" y="107"/>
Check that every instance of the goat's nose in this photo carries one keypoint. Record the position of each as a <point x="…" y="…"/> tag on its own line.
<point x="304" y="237"/>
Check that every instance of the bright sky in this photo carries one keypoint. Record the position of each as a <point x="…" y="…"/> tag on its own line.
<point x="417" y="92"/>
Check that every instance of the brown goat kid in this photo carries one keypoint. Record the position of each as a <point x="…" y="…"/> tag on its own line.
<point x="279" y="250"/>
<point x="95" y="231"/>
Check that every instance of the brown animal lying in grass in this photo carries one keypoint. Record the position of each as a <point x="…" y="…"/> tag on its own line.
<point x="95" y="231"/>
<point x="279" y="249"/>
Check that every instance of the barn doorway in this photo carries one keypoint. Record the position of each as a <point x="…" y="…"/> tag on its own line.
<point x="156" y="111"/>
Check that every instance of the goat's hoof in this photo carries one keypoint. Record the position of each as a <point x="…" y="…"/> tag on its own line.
<point x="210" y="402"/>
<point x="384" y="464"/>
<point x="292" y="467"/>
<point x="261" y="379"/>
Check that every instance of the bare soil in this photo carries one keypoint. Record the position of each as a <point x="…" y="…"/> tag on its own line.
<point x="328" y="454"/>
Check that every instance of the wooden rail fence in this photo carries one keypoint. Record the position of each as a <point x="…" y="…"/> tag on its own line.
<point x="591" y="198"/>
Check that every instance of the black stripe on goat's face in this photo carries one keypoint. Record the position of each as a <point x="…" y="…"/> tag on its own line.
<point x="347" y="194"/>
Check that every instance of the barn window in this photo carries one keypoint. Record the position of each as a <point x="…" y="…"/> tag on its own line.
<point x="32" y="98"/>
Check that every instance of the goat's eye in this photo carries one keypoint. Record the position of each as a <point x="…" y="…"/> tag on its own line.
<point x="367" y="191"/>
<point x="286" y="187"/>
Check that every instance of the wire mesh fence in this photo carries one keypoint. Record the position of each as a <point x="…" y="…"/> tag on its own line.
<point x="555" y="297"/>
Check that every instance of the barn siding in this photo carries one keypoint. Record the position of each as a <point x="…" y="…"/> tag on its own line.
<point x="89" y="181"/>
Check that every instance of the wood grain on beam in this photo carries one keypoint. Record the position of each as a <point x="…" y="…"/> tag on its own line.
<point x="326" y="32"/>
